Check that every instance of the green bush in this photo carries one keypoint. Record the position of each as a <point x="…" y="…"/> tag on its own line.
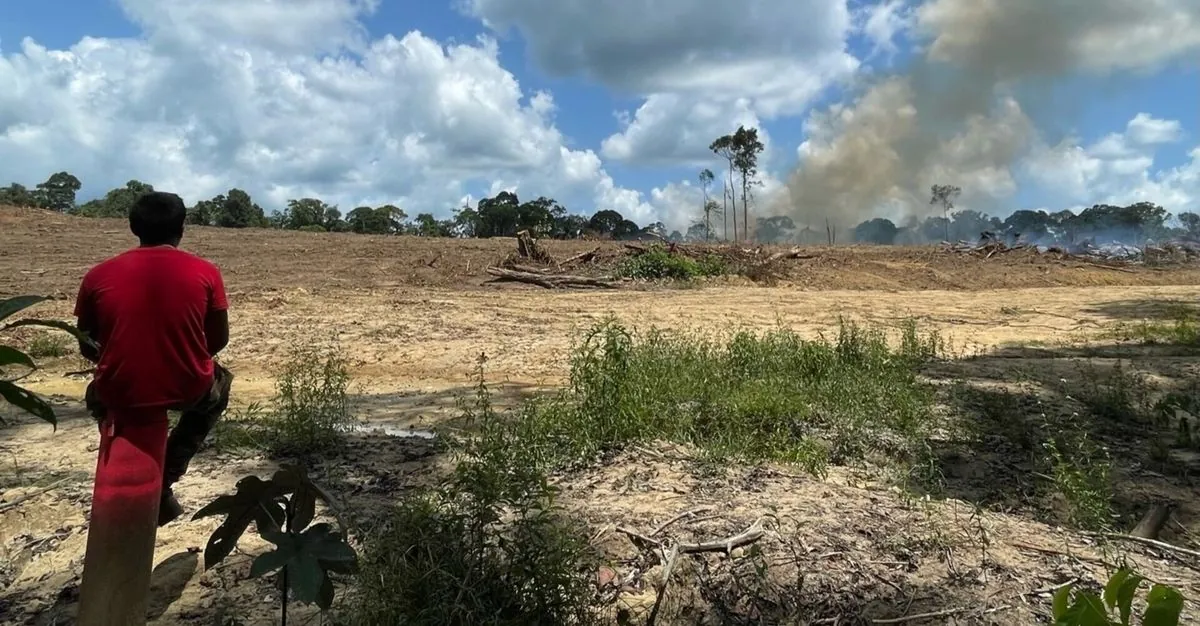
<point x="488" y="546"/>
<point x="659" y="264"/>
<point x="311" y="410"/>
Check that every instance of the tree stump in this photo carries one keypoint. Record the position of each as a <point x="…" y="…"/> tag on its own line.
<point x="124" y="520"/>
<point x="528" y="248"/>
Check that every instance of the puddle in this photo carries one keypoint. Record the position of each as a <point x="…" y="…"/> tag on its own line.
<point x="394" y="431"/>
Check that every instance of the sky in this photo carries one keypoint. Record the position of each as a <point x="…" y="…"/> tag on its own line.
<point x="862" y="105"/>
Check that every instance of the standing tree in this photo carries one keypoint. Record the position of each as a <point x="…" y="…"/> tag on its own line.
<point x="237" y="210"/>
<point x="58" y="192"/>
<point x="706" y="181"/>
<point x="746" y="148"/>
<point x="724" y="147"/>
<point x="945" y="195"/>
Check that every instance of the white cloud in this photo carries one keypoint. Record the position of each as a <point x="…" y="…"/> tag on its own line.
<point x="248" y="94"/>
<point x="1118" y="169"/>
<point x="699" y="68"/>
<point x="882" y="22"/>
<point x="1148" y="131"/>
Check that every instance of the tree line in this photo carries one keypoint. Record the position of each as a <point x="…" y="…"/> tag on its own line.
<point x="503" y="215"/>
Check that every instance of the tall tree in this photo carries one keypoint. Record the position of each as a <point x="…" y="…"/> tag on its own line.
<point x="17" y="195"/>
<point x="58" y="192"/>
<point x="945" y="195"/>
<point x="723" y="147"/>
<point x="237" y="210"/>
<point x="746" y="148"/>
<point x="304" y="213"/>
<point x="706" y="181"/>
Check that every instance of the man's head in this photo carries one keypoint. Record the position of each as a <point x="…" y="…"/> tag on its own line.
<point x="157" y="219"/>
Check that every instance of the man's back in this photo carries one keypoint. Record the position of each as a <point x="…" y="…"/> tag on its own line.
<point x="147" y="309"/>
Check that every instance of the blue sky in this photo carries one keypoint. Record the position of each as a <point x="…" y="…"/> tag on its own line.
<point x="430" y="104"/>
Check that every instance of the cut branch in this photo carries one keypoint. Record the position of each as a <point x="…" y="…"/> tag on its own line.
<point x="550" y="281"/>
<point x="749" y="536"/>
<point x="582" y="257"/>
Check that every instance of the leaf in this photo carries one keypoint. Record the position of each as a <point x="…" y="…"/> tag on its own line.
<point x="13" y="356"/>
<point x="1165" y="605"/>
<point x="1088" y="610"/>
<point x="246" y="505"/>
<point x="79" y="335"/>
<point x="1062" y="601"/>
<point x="326" y="544"/>
<point x="325" y="597"/>
<point x="12" y="305"/>
<point x="1119" y="592"/>
<point x="271" y="561"/>
<point x="27" y="401"/>
<point x="305" y="494"/>
<point x="304" y="578"/>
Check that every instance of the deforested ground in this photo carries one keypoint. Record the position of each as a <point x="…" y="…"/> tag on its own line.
<point x="958" y="477"/>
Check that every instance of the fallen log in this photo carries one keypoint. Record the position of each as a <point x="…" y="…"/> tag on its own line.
<point x="790" y="254"/>
<point x="550" y="281"/>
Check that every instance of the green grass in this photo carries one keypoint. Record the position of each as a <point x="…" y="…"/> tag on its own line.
<point x="1181" y="328"/>
<point x="774" y="397"/>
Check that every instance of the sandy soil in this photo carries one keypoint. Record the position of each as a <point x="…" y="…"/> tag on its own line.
<point x="416" y="314"/>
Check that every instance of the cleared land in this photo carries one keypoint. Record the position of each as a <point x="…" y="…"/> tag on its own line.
<point x="1031" y="335"/>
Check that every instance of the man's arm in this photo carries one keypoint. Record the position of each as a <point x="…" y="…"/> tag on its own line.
<point x="216" y="322"/>
<point x="86" y="323"/>
<point x="216" y="330"/>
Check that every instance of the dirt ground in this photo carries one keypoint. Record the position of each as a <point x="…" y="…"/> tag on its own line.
<point x="415" y="315"/>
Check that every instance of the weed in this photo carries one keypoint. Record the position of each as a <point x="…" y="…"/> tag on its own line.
<point x="49" y="346"/>
<point x="311" y="409"/>
<point x="1080" y="470"/>
<point x="488" y="546"/>
<point x="1182" y="328"/>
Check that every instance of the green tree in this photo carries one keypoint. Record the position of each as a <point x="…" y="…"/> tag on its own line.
<point x="1191" y="224"/>
<point x="774" y="229"/>
<point x="945" y="195"/>
<point x="879" y="230"/>
<point x="499" y="216"/>
<point x="332" y="220"/>
<point x="17" y="195"/>
<point x="237" y="210"/>
<point x="724" y="147"/>
<point x="304" y="212"/>
<point x="116" y="203"/>
<point x="707" y="206"/>
<point x="746" y="148"/>
<point x="58" y="192"/>
<point x="606" y="222"/>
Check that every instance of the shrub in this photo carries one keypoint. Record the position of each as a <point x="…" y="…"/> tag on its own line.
<point x="488" y="546"/>
<point x="311" y="409"/>
<point x="659" y="264"/>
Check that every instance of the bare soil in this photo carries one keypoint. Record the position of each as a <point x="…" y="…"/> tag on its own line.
<point x="415" y="315"/>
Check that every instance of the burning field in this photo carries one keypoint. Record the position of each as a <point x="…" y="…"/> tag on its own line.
<point x="861" y="434"/>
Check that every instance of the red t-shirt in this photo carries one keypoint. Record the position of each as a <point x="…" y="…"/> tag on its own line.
<point x="147" y="308"/>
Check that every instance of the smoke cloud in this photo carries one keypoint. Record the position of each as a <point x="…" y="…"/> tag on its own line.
<point x="956" y="114"/>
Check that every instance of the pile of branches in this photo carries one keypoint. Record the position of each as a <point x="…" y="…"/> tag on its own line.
<point x="533" y="265"/>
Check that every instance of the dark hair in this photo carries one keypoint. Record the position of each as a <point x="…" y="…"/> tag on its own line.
<point x="157" y="218"/>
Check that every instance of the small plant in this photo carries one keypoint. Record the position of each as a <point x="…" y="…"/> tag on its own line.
<point x="487" y="546"/>
<point x="1074" y="607"/>
<point x="49" y="346"/>
<point x="311" y="409"/>
<point x="282" y="509"/>
<point x="1081" y="476"/>
<point x="9" y="356"/>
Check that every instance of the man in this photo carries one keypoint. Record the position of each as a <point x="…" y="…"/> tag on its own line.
<point x="158" y="315"/>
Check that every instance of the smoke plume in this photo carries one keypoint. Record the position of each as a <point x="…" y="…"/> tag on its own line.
<point x="958" y="113"/>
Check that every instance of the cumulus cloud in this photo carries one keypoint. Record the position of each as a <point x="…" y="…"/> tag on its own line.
<point x="1119" y="168"/>
<point x="286" y="103"/>
<point x="698" y="69"/>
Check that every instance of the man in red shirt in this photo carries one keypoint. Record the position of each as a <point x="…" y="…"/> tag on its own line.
<point x="159" y="315"/>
